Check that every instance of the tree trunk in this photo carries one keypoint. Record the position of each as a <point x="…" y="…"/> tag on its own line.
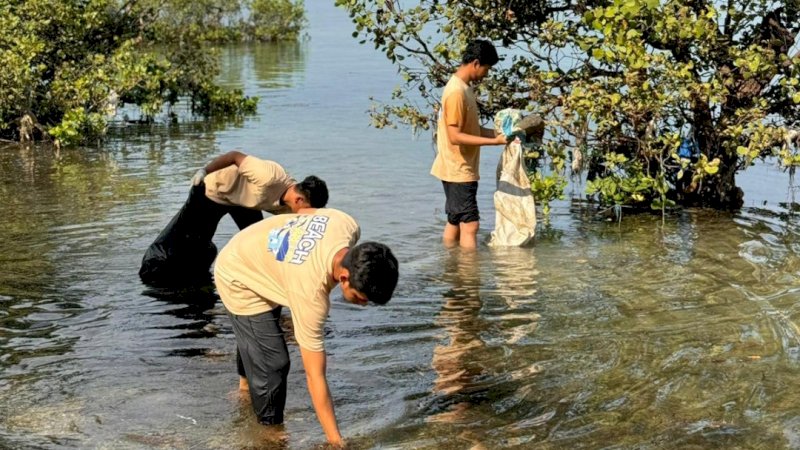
<point x="717" y="191"/>
<point x="720" y="191"/>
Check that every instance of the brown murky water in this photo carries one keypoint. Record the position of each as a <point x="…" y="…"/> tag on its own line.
<point x="635" y="335"/>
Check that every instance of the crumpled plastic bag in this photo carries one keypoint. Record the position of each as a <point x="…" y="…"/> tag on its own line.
<point x="515" y="209"/>
<point x="506" y="122"/>
<point x="511" y="122"/>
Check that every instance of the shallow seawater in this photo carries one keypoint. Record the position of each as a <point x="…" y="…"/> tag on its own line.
<point x="634" y="334"/>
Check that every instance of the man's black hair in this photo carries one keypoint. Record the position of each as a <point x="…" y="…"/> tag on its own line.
<point x="481" y="50"/>
<point x="373" y="271"/>
<point x="314" y="190"/>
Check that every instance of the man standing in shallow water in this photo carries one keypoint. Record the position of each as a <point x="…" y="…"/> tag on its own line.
<point x="295" y="260"/>
<point x="458" y="141"/>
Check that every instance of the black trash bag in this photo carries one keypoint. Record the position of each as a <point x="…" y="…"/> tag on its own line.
<point x="168" y="263"/>
<point x="183" y="252"/>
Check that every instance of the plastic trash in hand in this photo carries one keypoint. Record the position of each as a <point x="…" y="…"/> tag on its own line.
<point x="506" y="121"/>
<point x="198" y="177"/>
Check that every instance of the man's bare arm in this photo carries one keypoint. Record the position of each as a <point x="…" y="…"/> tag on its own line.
<point x="220" y="162"/>
<point x="223" y="161"/>
<point x="315" y="364"/>
<point x="458" y="137"/>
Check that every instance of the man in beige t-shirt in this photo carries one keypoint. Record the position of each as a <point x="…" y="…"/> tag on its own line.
<point x="458" y="141"/>
<point x="295" y="260"/>
<point x="234" y="183"/>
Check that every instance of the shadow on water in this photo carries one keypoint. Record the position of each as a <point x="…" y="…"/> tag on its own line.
<point x="193" y="307"/>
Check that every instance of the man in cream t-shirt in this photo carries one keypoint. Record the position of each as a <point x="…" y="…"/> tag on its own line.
<point x="459" y="137"/>
<point x="295" y="260"/>
<point x="236" y="184"/>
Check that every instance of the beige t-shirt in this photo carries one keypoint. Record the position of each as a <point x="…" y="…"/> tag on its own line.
<point x="255" y="184"/>
<point x="286" y="260"/>
<point x="457" y="163"/>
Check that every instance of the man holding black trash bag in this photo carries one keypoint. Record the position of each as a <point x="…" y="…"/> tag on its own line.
<point x="234" y="183"/>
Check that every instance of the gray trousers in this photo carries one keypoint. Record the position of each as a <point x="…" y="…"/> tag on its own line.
<point x="263" y="358"/>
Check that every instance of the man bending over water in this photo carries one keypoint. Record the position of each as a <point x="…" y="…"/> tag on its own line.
<point x="234" y="183"/>
<point x="295" y="260"/>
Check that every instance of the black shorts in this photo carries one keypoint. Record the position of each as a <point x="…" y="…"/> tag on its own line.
<point x="461" y="204"/>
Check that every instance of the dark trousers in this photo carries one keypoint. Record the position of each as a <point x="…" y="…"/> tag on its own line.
<point x="183" y="252"/>
<point x="263" y="358"/>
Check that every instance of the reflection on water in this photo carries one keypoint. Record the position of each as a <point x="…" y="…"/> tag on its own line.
<point x="629" y="335"/>
<point x="477" y="378"/>
<point x="272" y="65"/>
<point x="52" y="207"/>
<point x="456" y="363"/>
<point x="459" y="318"/>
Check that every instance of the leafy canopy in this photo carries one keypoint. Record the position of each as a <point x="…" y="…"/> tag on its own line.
<point x="621" y="84"/>
<point x="69" y="64"/>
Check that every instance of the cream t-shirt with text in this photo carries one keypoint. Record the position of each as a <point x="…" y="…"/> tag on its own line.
<point x="457" y="163"/>
<point x="286" y="260"/>
<point x="255" y="184"/>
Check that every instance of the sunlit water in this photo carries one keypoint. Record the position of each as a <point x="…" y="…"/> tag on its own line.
<point x="603" y="335"/>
